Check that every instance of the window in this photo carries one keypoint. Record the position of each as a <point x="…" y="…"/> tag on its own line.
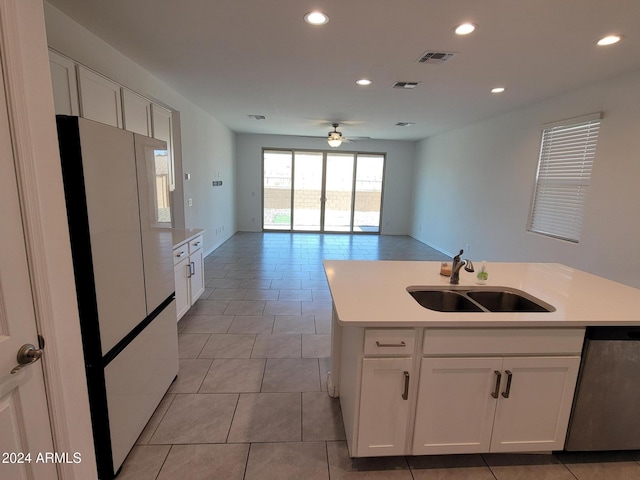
<point x="564" y="174"/>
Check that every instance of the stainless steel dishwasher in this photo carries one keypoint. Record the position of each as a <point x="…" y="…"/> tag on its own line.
<point x="606" y="408"/>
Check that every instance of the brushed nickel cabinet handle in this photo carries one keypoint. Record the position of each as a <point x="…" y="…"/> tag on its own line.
<point x="401" y="344"/>
<point x="505" y="394"/>
<point x="181" y="254"/>
<point x="496" y="390"/>
<point x="188" y="265"/>
<point x="405" y="394"/>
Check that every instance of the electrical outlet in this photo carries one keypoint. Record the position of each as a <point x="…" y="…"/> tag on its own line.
<point x="190" y="202"/>
<point x="467" y="247"/>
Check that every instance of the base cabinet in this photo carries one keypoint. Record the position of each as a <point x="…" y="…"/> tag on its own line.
<point x="384" y="406"/>
<point x="464" y="391"/>
<point x="188" y="274"/>
<point x="493" y="404"/>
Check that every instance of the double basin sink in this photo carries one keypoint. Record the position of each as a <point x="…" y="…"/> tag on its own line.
<point x="477" y="299"/>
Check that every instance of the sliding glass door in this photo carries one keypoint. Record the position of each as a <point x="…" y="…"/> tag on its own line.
<point x="308" y="191"/>
<point x="338" y="192"/>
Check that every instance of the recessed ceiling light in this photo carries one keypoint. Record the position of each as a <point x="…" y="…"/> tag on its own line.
<point x="465" y="29"/>
<point x="363" y="82"/>
<point x="498" y="90"/>
<point x="609" y="40"/>
<point x="316" y="18"/>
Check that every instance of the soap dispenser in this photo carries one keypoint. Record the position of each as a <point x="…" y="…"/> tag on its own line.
<point x="483" y="274"/>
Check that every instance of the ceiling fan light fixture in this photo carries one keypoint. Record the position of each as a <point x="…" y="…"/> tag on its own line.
<point x="316" y="18"/>
<point x="335" y="138"/>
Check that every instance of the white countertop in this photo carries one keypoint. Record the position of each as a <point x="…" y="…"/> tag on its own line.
<point x="373" y="293"/>
<point x="181" y="236"/>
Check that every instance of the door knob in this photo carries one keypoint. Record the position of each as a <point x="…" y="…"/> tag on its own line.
<point x="27" y="355"/>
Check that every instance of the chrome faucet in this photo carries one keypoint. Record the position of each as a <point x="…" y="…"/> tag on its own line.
<point x="457" y="264"/>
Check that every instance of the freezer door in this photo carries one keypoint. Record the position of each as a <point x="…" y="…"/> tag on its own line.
<point x="605" y="411"/>
<point x="137" y="379"/>
<point x="155" y="219"/>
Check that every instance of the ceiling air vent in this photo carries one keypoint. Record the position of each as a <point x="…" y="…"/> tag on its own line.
<point x="405" y="85"/>
<point x="435" y="58"/>
<point x="257" y="117"/>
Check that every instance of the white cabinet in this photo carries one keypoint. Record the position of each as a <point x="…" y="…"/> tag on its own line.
<point x="384" y="406"/>
<point x="196" y="269"/>
<point x="378" y="379"/>
<point x="455" y="409"/>
<point x="100" y="98"/>
<point x="421" y="391"/>
<point x="64" y="83"/>
<point x="493" y="404"/>
<point x="181" y="277"/>
<point x="136" y="113"/>
<point x="535" y="413"/>
<point x="189" y="274"/>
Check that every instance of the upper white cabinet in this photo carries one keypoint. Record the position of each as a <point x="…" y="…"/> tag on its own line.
<point x="163" y="130"/>
<point x="136" y="112"/>
<point x="64" y="83"/>
<point x="78" y="90"/>
<point x="100" y="98"/>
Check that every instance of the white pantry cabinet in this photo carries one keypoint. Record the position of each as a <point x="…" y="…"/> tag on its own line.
<point x="100" y="98"/>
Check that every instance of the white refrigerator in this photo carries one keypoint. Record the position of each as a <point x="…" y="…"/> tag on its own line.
<point x="122" y="256"/>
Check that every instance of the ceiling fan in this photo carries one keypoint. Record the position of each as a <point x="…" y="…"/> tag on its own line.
<point x="335" y="137"/>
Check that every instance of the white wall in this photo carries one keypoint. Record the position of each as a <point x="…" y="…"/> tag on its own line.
<point x="397" y="182"/>
<point x="473" y="185"/>
<point x="206" y="147"/>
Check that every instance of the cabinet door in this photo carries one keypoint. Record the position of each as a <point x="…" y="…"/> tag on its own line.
<point x="455" y="407"/>
<point x="197" y="276"/>
<point x="181" y="276"/>
<point x="383" y="408"/>
<point x="535" y="414"/>
<point x="64" y="83"/>
<point x="100" y="98"/>
<point x="136" y="112"/>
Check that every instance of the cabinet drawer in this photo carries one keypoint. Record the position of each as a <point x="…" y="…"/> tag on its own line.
<point x="195" y="244"/>
<point x="180" y="253"/>
<point x="395" y="341"/>
<point x="496" y="341"/>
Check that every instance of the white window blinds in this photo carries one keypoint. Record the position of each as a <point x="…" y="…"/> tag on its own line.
<point x="564" y="174"/>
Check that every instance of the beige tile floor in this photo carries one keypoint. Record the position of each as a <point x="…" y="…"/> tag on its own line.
<point x="250" y="399"/>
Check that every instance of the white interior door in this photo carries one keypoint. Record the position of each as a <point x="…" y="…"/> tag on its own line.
<point x="24" y="419"/>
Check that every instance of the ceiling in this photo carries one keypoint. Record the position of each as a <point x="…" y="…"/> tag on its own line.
<point x="236" y="58"/>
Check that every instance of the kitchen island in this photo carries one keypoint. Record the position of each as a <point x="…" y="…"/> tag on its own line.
<point x="415" y="381"/>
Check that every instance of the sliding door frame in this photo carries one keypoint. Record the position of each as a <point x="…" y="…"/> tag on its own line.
<point x="323" y="198"/>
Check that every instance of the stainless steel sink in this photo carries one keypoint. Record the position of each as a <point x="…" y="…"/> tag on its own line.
<point x="444" y="301"/>
<point x="477" y="299"/>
